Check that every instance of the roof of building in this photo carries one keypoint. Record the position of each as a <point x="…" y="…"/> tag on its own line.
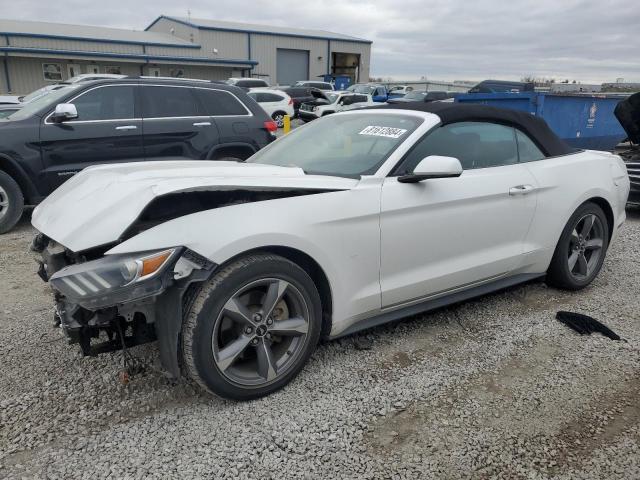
<point x="264" y="29"/>
<point x="28" y="28"/>
<point x="534" y="126"/>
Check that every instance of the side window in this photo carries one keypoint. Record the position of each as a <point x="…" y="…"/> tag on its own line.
<point x="106" y="103"/>
<point x="271" y="97"/>
<point x="475" y="144"/>
<point x="527" y="150"/>
<point x="359" y="98"/>
<point x="218" y="102"/>
<point x="164" y="102"/>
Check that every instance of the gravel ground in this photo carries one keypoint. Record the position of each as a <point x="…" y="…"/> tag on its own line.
<point x="492" y="388"/>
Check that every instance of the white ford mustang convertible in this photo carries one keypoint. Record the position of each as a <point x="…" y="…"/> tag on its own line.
<point x="360" y="218"/>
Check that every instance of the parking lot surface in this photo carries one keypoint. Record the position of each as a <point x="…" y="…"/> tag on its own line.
<point x="491" y="388"/>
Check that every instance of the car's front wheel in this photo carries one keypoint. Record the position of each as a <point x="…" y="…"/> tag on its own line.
<point x="252" y="327"/>
<point x="11" y="202"/>
<point x="581" y="249"/>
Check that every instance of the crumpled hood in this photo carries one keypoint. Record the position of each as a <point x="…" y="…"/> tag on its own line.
<point x="97" y="205"/>
<point x="628" y="114"/>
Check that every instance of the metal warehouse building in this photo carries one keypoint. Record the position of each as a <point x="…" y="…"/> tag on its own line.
<point x="35" y="54"/>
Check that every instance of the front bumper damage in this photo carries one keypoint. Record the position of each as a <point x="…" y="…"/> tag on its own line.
<point x="123" y="324"/>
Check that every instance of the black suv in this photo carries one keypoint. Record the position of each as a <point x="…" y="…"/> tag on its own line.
<point x="121" y="120"/>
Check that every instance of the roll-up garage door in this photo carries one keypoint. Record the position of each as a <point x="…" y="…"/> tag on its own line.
<point x="292" y="65"/>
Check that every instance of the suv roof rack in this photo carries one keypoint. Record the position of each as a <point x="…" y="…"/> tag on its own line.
<point x="177" y="79"/>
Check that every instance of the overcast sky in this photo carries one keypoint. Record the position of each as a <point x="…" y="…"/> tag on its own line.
<point x="587" y="40"/>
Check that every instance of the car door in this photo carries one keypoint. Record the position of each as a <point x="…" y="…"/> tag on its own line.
<point x="174" y="123"/>
<point x="108" y="129"/>
<point x="443" y="234"/>
<point x="236" y="125"/>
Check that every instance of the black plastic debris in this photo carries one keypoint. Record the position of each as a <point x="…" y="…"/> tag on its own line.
<point x="585" y="325"/>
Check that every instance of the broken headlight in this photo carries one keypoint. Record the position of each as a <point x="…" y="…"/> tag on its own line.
<point x="115" y="279"/>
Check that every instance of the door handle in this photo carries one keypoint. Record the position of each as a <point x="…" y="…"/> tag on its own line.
<point x="202" y="124"/>
<point x="521" y="190"/>
<point x="126" y="127"/>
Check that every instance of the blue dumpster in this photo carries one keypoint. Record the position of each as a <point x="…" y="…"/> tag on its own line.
<point x="340" y="82"/>
<point x="582" y="120"/>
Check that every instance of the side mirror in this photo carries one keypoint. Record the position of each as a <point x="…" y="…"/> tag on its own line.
<point x="64" y="112"/>
<point x="433" y="166"/>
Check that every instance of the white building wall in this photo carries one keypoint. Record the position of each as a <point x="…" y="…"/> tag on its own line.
<point x="228" y="44"/>
<point x="180" y="30"/>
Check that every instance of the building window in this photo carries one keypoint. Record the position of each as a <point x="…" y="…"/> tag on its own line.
<point x="52" y="72"/>
<point x="177" y="72"/>
<point x="112" y="69"/>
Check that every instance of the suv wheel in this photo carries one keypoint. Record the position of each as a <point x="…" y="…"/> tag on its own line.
<point x="278" y="117"/>
<point x="252" y="327"/>
<point x="581" y="249"/>
<point x="11" y="202"/>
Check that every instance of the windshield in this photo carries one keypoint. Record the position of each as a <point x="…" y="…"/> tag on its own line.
<point x="332" y="97"/>
<point x="42" y="103"/>
<point x="415" y="95"/>
<point x="366" y="89"/>
<point x="347" y="145"/>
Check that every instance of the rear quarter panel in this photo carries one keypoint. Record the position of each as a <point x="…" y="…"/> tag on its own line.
<point x="563" y="184"/>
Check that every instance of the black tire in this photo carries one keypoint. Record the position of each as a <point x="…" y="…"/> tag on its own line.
<point x="278" y="117"/>
<point x="200" y="322"/>
<point x="11" y="202"/>
<point x="559" y="274"/>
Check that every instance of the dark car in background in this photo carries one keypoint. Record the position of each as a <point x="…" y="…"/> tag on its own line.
<point x="502" y="86"/>
<point x="422" y="96"/>
<point x="300" y="95"/>
<point x="121" y="120"/>
<point x="628" y="114"/>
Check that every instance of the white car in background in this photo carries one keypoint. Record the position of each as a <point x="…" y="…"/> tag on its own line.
<point x="315" y="84"/>
<point x="276" y="103"/>
<point x="327" y="103"/>
<point x="248" y="83"/>
<point x="238" y="269"/>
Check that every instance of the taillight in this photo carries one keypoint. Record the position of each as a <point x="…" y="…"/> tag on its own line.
<point x="291" y="101"/>
<point x="271" y="126"/>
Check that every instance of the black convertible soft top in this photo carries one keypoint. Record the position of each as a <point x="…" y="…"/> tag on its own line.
<point x="452" y="112"/>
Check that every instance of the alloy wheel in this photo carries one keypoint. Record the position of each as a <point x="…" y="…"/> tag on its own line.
<point x="585" y="246"/>
<point x="4" y="202"/>
<point x="279" y="119"/>
<point x="260" y="332"/>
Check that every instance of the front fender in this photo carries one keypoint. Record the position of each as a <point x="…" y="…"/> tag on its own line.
<point x="339" y="230"/>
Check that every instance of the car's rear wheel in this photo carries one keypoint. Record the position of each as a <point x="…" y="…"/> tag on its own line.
<point x="581" y="249"/>
<point x="11" y="202"/>
<point x="252" y="327"/>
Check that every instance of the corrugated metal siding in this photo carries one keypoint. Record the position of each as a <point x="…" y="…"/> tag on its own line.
<point x="264" y="48"/>
<point x="194" y="71"/>
<point x="175" y="52"/>
<point x="56" y="44"/>
<point x="229" y="44"/>
<point x="3" y="82"/>
<point x="180" y="30"/>
<point x="26" y="74"/>
<point x="361" y="48"/>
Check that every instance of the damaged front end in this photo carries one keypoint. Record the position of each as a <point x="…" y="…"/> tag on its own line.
<point x="109" y="302"/>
